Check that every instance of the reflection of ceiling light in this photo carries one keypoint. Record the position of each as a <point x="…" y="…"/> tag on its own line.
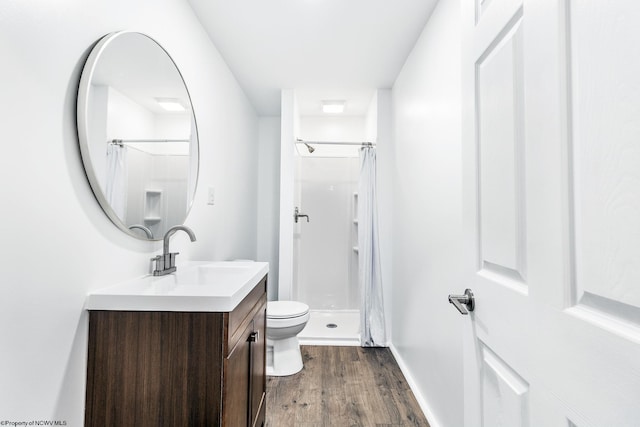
<point x="170" y="104"/>
<point x="333" y="107"/>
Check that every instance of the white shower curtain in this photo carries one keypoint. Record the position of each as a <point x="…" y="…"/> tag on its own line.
<point x="372" y="322"/>
<point x="116" y="188"/>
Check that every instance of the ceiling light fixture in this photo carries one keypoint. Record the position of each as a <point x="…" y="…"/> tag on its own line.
<point x="333" y="107"/>
<point x="171" y="104"/>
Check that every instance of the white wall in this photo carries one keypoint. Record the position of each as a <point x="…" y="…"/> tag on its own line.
<point x="381" y="131"/>
<point x="269" y="199"/>
<point x="173" y="126"/>
<point x="289" y="127"/>
<point x="127" y="117"/>
<point x="427" y="217"/>
<point x="57" y="244"/>
<point x="332" y="128"/>
<point x="371" y="119"/>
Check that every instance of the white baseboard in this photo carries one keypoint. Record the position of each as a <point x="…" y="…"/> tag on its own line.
<point x="424" y="405"/>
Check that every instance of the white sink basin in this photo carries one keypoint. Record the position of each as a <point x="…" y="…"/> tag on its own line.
<point x="195" y="286"/>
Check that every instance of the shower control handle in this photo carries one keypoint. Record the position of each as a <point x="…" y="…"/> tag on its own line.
<point x="297" y="215"/>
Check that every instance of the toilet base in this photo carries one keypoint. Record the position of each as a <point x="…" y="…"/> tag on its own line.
<point x="283" y="357"/>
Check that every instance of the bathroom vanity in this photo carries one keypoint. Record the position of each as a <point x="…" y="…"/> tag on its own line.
<point x="179" y="349"/>
<point x="187" y="349"/>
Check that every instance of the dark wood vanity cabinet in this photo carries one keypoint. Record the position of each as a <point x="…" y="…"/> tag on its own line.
<point x="246" y="408"/>
<point x="178" y="368"/>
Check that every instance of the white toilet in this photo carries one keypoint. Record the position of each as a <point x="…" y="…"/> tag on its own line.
<point x="285" y="320"/>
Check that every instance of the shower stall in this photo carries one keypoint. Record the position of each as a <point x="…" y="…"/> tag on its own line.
<point x="325" y="251"/>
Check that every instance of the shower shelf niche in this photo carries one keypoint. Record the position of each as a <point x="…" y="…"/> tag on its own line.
<point x="152" y="205"/>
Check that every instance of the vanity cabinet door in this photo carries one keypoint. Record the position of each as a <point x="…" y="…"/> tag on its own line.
<point x="154" y="369"/>
<point x="258" y="368"/>
<point x="244" y="376"/>
<point x="237" y="382"/>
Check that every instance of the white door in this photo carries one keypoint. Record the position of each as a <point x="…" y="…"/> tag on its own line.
<point x="551" y="143"/>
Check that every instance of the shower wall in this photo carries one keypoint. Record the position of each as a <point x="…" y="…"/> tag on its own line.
<point x="325" y="271"/>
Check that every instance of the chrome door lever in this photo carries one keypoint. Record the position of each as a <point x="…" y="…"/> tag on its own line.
<point x="464" y="303"/>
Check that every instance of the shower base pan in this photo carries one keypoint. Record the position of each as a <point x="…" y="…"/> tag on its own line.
<point x="332" y="327"/>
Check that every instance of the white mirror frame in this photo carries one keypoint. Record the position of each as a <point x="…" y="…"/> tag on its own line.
<point x="83" y="132"/>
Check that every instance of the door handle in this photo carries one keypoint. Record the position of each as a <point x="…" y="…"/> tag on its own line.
<point x="464" y="303"/>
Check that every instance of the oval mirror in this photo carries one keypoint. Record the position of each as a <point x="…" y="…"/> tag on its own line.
<point x="137" y="134"/>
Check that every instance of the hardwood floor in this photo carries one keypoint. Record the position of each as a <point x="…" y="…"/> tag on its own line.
<point x="343" y="386"/>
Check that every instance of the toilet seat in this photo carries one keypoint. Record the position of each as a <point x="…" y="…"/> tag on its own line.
<point x="286" y="309"/>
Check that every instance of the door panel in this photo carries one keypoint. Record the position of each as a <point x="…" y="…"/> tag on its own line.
<point x="551" y="162"/>
<point x="606" y="155"/>
<point x="499" y="97"/>
<point x="506" y="394"/>
<point x="481" y="8"/>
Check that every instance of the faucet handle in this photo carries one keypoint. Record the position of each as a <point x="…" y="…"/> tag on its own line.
<point x="159" y="261"/>
<point x="170" y="260"/>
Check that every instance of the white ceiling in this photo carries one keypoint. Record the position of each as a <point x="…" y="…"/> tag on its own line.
<point x="327" y="49"/>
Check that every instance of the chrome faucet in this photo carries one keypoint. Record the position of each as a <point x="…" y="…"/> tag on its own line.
<point x="146" y="230"/>
<point x="166" y="263"/>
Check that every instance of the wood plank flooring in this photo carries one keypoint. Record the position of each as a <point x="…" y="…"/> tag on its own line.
<point x="343" y="386"/>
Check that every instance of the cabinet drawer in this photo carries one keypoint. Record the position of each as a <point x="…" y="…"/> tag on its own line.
<point x="244" y="312"/>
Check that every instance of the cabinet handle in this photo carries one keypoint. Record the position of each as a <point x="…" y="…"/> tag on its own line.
<point x="254" y="337"/>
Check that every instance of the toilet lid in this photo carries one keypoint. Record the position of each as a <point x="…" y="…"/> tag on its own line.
<point x="285" y="309"/>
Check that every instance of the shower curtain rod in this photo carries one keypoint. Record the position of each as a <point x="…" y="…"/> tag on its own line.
<point x="125" y="141"/>
<point x="366" y="143"/>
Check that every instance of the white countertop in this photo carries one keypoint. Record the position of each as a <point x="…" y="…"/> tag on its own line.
<point x="195" y="286"/>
